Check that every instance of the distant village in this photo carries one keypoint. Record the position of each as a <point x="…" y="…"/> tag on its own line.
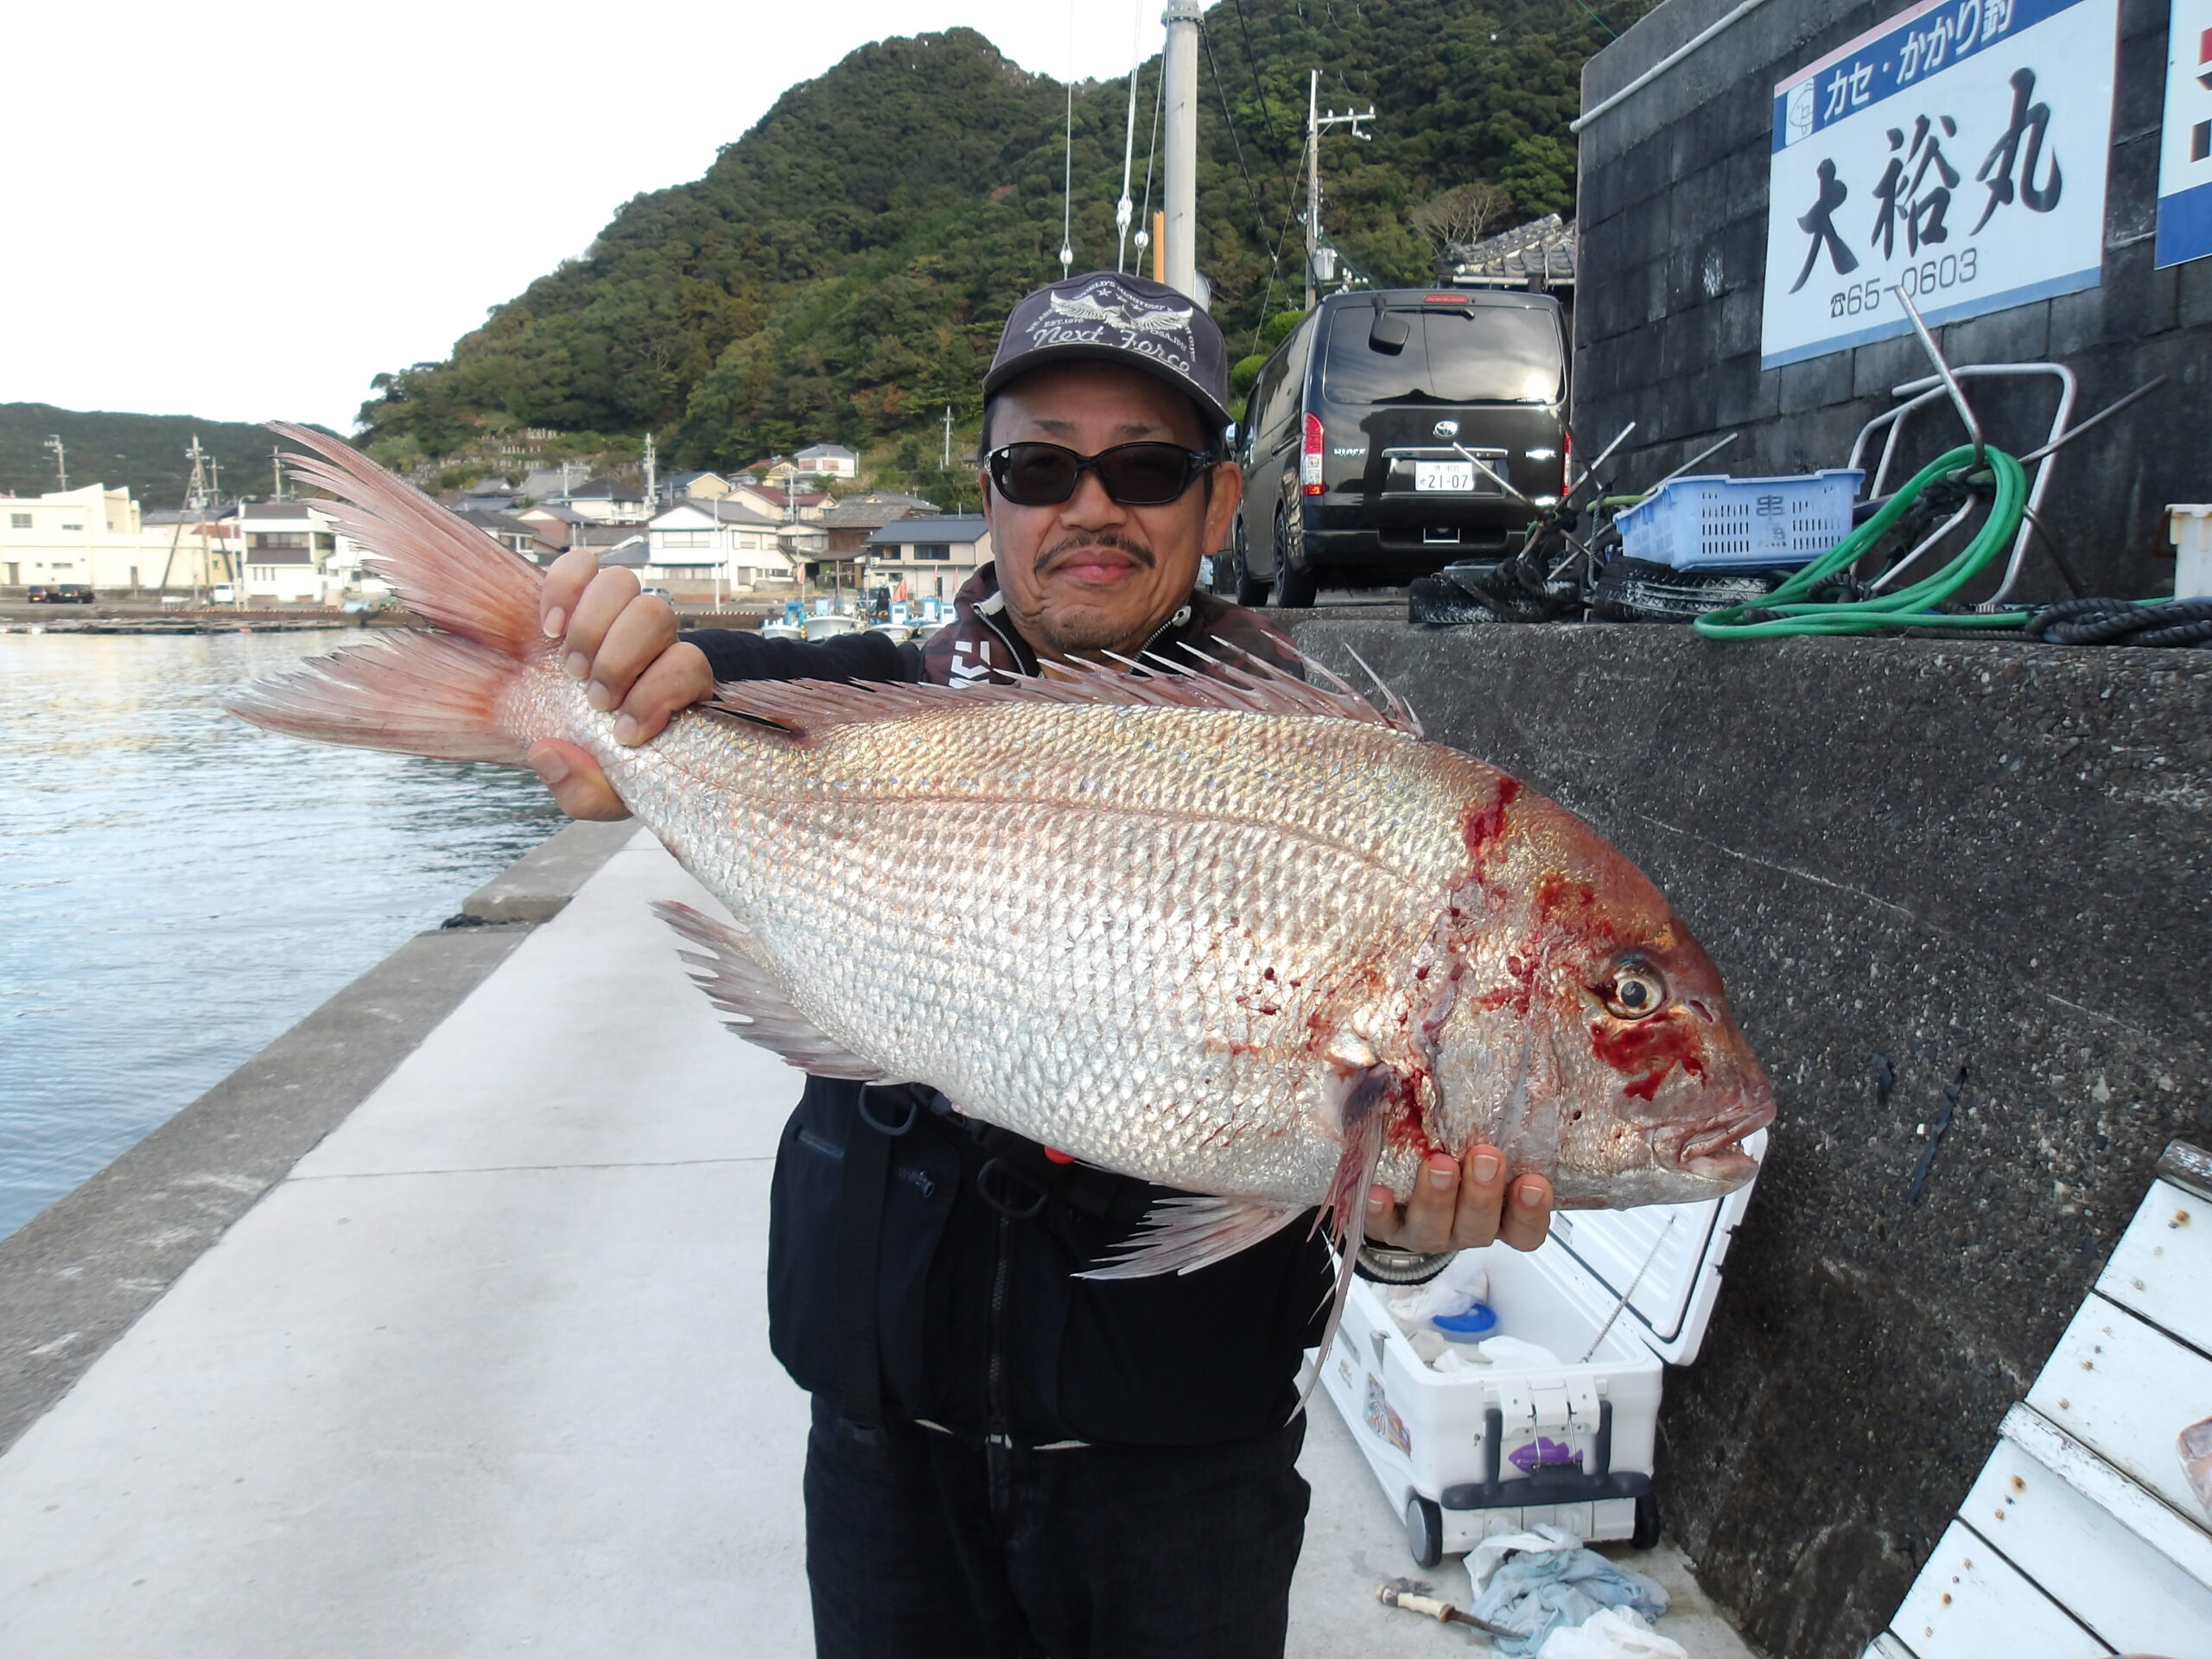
<point x="782" y="528"/>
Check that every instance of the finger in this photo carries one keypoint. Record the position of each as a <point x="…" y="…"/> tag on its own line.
<point x="1481" y="1205"/>
<point x="1427" y="1225"/>
<point x="579" y="788"/>
<point x="566" y="578"/>
<point x="1385" y="1216"/>
<point x="1528" y="1213"/>
<point x="601" y="602"/>
<point x="674" y="680"/>
<point x="640" y="632"/>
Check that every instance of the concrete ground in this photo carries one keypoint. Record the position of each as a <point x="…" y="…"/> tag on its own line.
<point x="487" y="1372"/>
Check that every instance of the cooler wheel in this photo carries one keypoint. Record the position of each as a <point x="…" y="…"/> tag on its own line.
<point x="1425" y="1530"/>
<point x="1646" y="1535"/>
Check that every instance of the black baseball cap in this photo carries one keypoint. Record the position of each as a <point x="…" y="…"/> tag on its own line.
<point x="1107" y="317"/>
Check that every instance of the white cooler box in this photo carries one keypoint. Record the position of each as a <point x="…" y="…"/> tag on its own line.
<point x="1466" y="1455"/>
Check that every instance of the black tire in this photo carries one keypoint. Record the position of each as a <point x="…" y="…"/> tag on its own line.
<point x="1251" y="592"/>
<point x="1424" y="1530"/>
<point x="1646" y="1535"/>
<point x="1295" y="588"/>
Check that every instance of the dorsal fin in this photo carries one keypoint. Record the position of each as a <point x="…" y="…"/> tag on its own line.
<point x="804" y="708"/>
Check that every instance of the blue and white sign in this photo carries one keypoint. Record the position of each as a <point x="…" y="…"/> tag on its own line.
<point x="1958" y="151"/>
<point x="2185" y="148"/>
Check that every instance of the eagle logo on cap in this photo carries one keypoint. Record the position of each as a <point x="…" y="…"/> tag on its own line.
<point x="1107" y="304"/>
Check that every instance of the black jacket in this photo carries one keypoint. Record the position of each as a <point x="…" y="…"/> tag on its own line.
<point x="981" y="1326"/>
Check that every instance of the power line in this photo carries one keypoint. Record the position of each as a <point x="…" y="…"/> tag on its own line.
<point x="1236" y="144"/>
<point x="1612" y="33"/>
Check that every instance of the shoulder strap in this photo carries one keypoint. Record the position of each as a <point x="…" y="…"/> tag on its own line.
<point x="880" y="1116"/>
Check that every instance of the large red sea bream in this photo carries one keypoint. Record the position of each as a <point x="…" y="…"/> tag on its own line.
<point x="1225" y="930"/>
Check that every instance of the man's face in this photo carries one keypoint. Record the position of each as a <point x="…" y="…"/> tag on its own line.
<point x="1090" y="574"/>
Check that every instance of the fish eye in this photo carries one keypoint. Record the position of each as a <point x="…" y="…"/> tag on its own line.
<point x="1636" y="992"/>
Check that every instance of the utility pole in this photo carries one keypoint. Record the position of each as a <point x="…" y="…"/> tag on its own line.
<point x="276" y="472"/>
<point x="948" y="438"/>
<point x="1315" y="123"/>
<point x="1179" y="65"/>
<point x="652" y="469"/>
<point x="60" y="458"/>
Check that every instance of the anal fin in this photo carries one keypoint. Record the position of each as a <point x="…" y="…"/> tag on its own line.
<point x="1181" y="1235"/>
<point x="726" y="968"/>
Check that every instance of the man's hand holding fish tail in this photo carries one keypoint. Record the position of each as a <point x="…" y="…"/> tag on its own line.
<point x="1219" y="966"/>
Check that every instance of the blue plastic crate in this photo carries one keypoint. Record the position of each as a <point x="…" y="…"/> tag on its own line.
<point x="1742" y="523"/>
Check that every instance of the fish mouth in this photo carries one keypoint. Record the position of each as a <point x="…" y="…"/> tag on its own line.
<point x="1728" y="1169"/>
<point x="1717" y="1154"/>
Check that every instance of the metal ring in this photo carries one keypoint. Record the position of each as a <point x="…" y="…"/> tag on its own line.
<point x="913" y="1111"/>
<point x="1004" y="1206"/>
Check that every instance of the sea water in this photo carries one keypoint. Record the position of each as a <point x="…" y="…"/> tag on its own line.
<point x="176" y="887"/>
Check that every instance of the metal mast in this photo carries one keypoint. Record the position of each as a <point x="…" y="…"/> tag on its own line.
<point x="1179" y="66"/>
<point x="60" y="458"/>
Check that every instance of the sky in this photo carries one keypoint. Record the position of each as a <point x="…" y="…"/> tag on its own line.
<point x="244" y="211"/>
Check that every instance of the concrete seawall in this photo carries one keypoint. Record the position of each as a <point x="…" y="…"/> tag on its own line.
<point x="1959" y="858"/>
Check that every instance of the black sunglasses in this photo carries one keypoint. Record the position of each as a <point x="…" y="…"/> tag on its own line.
<point x="1135" y="474"/>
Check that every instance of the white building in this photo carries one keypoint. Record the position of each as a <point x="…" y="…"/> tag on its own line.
<point x="292" y="553"/>
<point x="702" y="548"/>
<point x="828" y="460"/>
<point x="96" y="537"/>
<point x="932" y="557"/>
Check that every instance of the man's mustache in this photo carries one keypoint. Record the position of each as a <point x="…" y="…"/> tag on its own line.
<point x="1050" y="558"/>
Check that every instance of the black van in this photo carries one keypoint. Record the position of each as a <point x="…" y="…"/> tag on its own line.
<point x="1350" y="472"/>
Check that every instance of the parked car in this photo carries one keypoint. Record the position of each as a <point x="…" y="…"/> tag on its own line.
<point x="61" y="593"/>
<point x="1351" y="473"/>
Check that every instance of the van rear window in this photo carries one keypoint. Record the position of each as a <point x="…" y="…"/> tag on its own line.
<point x="1487" y="354"/>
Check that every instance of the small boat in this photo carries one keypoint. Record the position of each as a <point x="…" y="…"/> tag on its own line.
<point x="777" y="627"/>
<point x="829" y="626"/>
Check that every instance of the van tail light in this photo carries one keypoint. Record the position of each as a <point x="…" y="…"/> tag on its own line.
<point x="1566" y="462"/>
<point x="1309" y="470"/>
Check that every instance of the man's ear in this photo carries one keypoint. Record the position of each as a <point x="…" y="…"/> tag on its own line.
<point x="1225" y="489"/>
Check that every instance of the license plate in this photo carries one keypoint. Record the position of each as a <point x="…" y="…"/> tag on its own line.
<point x="1444" y="476"/>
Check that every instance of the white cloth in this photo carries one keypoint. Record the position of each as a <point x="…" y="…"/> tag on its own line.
<point x="1610" y="1633"/>
<point x="1511" y="1350"/>
<point x="1483" y="1559"/>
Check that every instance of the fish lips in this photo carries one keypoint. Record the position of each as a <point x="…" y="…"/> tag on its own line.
<point x="1716" y="1154"/>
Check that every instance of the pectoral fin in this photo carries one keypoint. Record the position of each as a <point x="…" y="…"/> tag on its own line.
<point x="738" y="984"/>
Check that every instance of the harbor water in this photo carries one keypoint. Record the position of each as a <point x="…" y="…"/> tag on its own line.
<point x="176" y="888"/>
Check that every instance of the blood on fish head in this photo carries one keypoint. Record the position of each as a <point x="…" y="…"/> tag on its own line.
<point x="1587" y="1033"/>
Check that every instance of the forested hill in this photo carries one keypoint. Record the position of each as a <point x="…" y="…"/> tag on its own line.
<point x="144" y="452"/>
<point x="842" y="269"/>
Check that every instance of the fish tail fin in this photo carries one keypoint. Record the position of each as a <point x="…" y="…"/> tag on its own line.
<point x="424" y="693"/>
<point x="438" y="694"/>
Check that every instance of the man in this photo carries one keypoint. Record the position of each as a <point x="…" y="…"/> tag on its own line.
<point x="1006" y="1459"/>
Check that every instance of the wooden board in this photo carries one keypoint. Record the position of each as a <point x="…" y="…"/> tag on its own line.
<point x="2143" y="1513"/>
<point x="2127" y="1389"/>
<point x="1970" y="1603"/>
<point x="2162" y="1267"/>
<point x="2129" y="1594"/>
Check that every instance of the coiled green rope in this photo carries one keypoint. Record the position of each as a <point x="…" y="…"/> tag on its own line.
<point x="1787" y="610"/>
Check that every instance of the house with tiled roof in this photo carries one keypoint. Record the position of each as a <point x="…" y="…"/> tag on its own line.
<point x="928" y="558"/>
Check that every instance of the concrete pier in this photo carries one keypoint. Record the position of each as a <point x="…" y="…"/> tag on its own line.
<point x="481" y="1365"/>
